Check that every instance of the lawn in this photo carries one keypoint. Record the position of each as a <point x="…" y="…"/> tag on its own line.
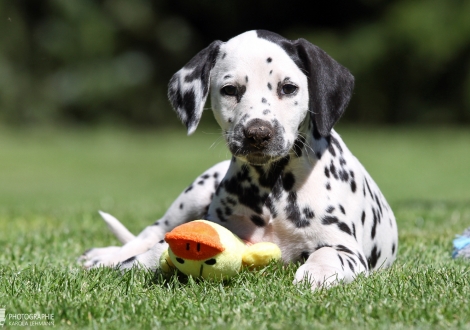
<point x="53" y="181"/>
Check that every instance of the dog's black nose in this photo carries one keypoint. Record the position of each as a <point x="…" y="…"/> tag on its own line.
<point x="258" y="132"/>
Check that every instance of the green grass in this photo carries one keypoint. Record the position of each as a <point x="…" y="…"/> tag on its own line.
<point x="52" y="182"/>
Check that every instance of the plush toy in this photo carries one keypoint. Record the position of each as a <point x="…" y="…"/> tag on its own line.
<point x="205" y="249"/>
<point x="462" y="245"/>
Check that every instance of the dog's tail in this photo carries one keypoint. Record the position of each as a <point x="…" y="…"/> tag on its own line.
<point x="117" y="228"/>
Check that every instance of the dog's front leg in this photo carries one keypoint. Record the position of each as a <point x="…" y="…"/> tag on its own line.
<point x="329" y="265"/>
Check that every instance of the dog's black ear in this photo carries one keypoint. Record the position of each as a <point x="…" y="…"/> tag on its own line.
<point x="330" y="86"/>
<point x="189" y="87"/>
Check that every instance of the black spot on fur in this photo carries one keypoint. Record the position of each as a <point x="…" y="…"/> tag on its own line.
<point x="329" y="220"/>
<point x="343" y="175"/>
<point x="293" y="211"/>
<point x="205" y="176"/>
<point x="344" y="249"/>
<point x="341" y="208"/>
<point x="304" y="255"/>
<point x="161" y="241"/>
<point x="246" y="78"/>
<point x="393" y="248"/>
<point x="374" y="226"/>
<point x="295" y="103"/>
<point x="270" y="206"/>
<point x="333" y="170"/>
<point x="216" y="175"/>
<point x="188" y="189"/>
<point x="263" y="100"/>
<point x="201" y="182"/>
<point x="247" y="195"/>
<point x="341" y="260"/>
<point x="220" y="215"/>
<point x="361" y="259"/>
<point x="332" y="151"/>
<point x="131" y="259"/>
<point x="231" y="201"/>
<point x="351" y="266"/>
<point x="342" y="161"/>
<point x="270" y="72"/>
<point x="374" y="257"/>
<point x="308" y="213"/>
<point x="269" y="86"/>
<point x="328" y="187"/>
<point x="181" y="206"/>
<point x="330" y="209"/>
<point x="353" y="186"/>
<point x="368" y="188"/>
<point x="336" y="143"/>
<point x="288" y="181"/>
<point x="228" y="211"/>
<point x="223" y="56"/>
<point x="257" y="220"/>
<point x="354" y="230"/>
<point x="344" y="227"/>
<point x="265" y="112"/>
<point x="327" y="172"/>
<point x="166" y="223"/>
<point x="269" y="60"/>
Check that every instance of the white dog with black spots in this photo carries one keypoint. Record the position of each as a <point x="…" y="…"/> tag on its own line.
<point x="291" y="180"/>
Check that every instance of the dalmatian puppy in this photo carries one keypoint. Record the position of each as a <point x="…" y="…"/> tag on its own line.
<point x="291" y="180"/>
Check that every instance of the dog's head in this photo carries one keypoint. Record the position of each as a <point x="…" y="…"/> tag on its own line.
<point x="263" y="88"/>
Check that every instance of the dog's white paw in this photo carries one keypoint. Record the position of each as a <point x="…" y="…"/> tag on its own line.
<point x="97" y="252"/>
<point x="318" y="276"/>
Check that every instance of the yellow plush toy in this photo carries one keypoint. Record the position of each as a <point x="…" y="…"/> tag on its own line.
<point x="205" y="249"/>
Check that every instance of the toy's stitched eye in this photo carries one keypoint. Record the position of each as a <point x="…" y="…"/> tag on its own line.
<point x="289" y="89"/>
<point x="181" y="261"/>
<point x="210" y="262"/>
<point x="229" y="90"/>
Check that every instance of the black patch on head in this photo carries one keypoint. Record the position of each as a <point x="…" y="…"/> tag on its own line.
<point x="269" y="60"/>
<point x="257" y="220"/>
<point x="288" y="181"/>
<point x="263" y="100"/>
<point x="269" y="86"/>
<point x="374" y="257"/>
<point x="241" y="92"/>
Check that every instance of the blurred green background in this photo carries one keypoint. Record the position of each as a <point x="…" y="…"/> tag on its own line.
<point x="91" y="62"/>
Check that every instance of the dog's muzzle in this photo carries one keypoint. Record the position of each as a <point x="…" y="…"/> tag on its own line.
<point x="258" y="133"/>
<point x="258" y="141"/>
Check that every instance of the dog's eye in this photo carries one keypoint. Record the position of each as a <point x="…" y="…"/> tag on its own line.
<point x="289" y="89"/>
<point x="229" y="90"/>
